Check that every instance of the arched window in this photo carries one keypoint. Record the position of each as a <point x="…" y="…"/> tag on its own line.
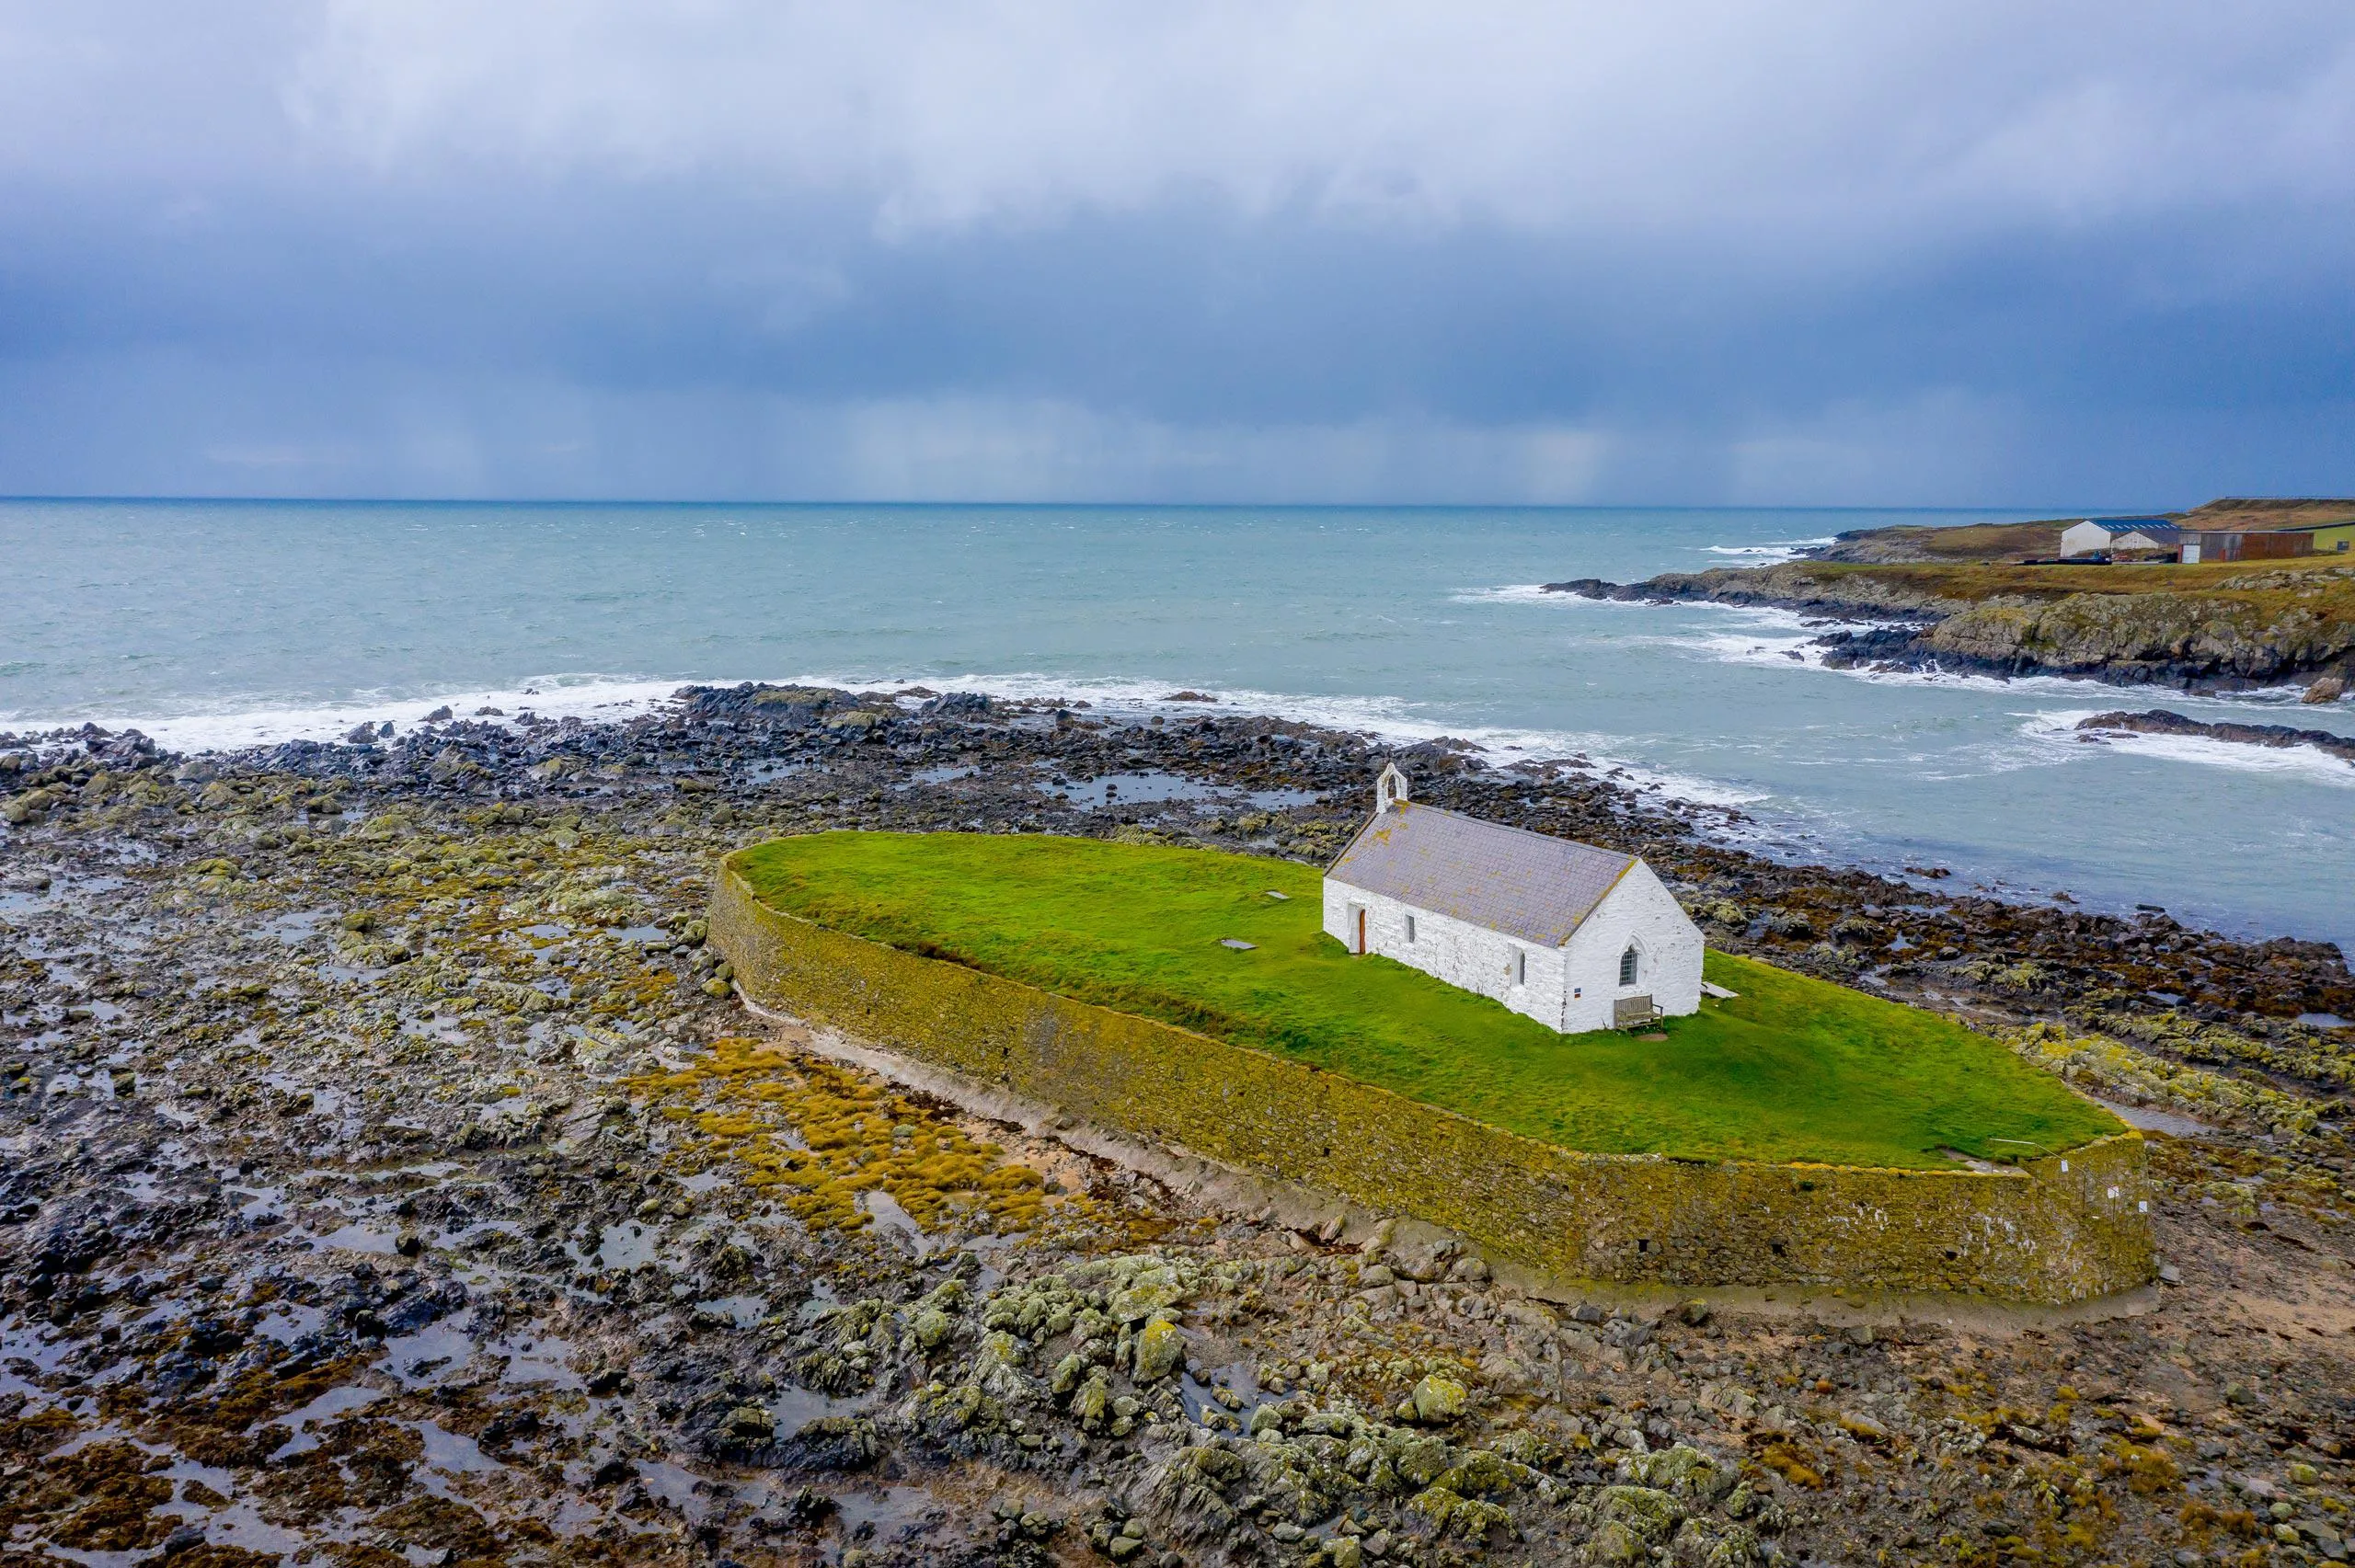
<point x="1627" y="966"/>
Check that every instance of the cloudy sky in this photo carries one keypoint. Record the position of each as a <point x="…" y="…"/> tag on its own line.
<point x="1995" y="252"/>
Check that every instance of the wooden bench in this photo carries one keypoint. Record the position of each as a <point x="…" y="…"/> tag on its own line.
<point x="1633" y="1012"/>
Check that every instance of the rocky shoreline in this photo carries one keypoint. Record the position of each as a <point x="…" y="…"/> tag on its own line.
<point x="2254" y="631"/>
<point x="2159" y="721"/>
<point x="390" y="1176"/>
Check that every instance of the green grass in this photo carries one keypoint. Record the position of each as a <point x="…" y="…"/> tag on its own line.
<point x="1795" y="1068"/>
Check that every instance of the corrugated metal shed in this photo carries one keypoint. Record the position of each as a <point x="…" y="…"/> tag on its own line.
<point x="2252" y="545"/>
<point x="1531" y="886"/>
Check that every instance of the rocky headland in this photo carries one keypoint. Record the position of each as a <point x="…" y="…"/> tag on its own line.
<point x="2197" y="628"/>
<point x="388" y="1175"/>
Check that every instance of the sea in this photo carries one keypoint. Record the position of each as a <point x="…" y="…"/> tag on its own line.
<point x="213" y="624"/>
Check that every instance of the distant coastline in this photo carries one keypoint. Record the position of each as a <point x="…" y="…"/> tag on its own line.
<point x="1998" y="599"/>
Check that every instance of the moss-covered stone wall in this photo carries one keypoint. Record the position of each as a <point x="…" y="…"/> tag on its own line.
<point x="2061" y="1228"/>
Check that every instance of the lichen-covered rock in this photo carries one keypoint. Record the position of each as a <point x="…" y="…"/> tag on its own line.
<point x="1452" y="1514"/>
<point x="749" y="1424"/>
<point x="1528" y="1449"/>
<point x="1614" y="1546"/>
<point x="845" y="1347"/>
<point x="1093" y="1402"/>
<point x="1160" y="1350"/>
<point x="1141" y="1288"/>
<point x="1437" y="1400"/>
<point x="1190" y="1489"/>
<point x="1714" y="1543"/>
<point x="933" y="1328"/>
<point x="945" y="1411"/>
<point x="1416" y="1460"/>
<point x="1680" y="1468"/>
<point x="1646" y="1511"/>
<point x="1479" y="1473"/>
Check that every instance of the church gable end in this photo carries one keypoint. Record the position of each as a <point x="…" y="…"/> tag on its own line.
<point x="1547" y="926"/>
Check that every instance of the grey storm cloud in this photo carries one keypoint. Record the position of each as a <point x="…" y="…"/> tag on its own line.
<point x="1670" y="251"/>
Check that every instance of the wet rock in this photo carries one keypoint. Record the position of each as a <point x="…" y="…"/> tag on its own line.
<point x="749" y="1424"/>
<point x="833" y="1443"/>
<point x="933" y="1328"/>
<point x="308" y="1090"/>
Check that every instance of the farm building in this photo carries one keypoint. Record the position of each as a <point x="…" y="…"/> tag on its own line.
<point x="1577" y="937"/>
<point x="2269" y="543"/>
<point x="2108" y="536"/>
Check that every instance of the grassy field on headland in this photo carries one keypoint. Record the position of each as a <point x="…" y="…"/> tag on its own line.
<point x="1793" y="1069"/>
<point x="2011" y="540"/>
<point x="2321" y="587"/>
<point x="2248" y="622"/>
<point x="2285" y="618"/>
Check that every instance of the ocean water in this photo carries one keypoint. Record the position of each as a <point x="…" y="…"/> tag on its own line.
<point x="218" y="624"/>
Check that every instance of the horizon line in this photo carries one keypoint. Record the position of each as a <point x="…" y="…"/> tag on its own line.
<point x="647" y="501"/>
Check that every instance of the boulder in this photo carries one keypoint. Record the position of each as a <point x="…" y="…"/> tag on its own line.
<point x="1649" y="1513"/>
<point x="1426" y="1263"/>
<point x="749" y="1423"/>
<point x="1614" y="1546"/>
<point x="451" y="763"/>
<point x="1437" y="1400"/>
<point x="1160" y="1350"/>
<point x="1092" y="1403"/>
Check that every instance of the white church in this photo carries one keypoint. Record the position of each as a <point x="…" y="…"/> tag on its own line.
<point x="1576" y="937"/>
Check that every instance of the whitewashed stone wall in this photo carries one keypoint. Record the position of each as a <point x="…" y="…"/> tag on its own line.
<point x="1569" y="989"/>
<point x="1667" y="946"/>
<point x="1463" y="955"/>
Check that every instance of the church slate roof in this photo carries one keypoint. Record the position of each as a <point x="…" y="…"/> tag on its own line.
<point x="1531" y="886"/>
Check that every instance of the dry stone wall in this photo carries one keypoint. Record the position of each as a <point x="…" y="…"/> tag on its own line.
<point x="2061" y="1228"/>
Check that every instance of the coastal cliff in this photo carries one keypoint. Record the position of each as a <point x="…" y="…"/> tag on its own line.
<point x="2193" y="627"/>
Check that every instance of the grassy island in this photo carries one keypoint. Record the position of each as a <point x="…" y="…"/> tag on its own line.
<point x="1793" y="1069"/>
